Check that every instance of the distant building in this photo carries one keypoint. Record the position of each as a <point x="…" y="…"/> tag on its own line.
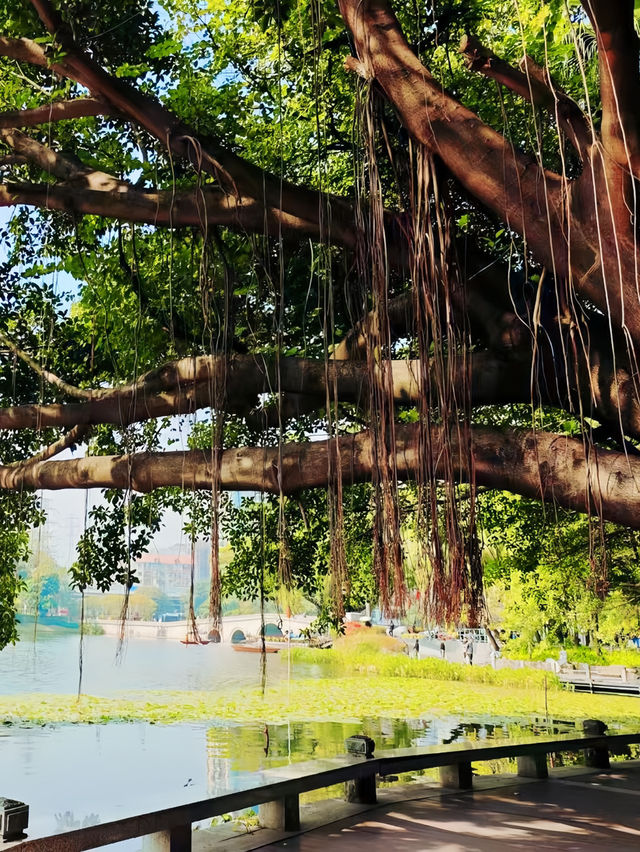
<point x="171" y="573"/>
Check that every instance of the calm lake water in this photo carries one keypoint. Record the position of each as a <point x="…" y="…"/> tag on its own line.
<point x="75" y="775"/>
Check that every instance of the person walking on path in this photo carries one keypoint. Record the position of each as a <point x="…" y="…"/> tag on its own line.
<point x="470" y="652"/>
<point x="416" y="648"/>
<point x="443" y="648"/>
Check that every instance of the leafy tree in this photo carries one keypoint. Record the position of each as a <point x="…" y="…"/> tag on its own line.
<point x="17" y="513"/>
<point x="140" y="606"/>
<point x="257" y="572"/>
<point x="372" y="254"/>
<point x="619" y="618"/>
<point x="551" y="579"/>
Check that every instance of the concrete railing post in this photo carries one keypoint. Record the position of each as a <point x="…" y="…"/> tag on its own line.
<point x="361" y="790"/>
<point x="458" y="776"/>
<point x="532" y="766"/>
<point x="176" y="839"/>
<point x="596" y="758"/>
<point x="282" y="814"/>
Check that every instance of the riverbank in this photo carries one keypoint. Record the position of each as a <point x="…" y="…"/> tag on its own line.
<point x="368" y="660"/>
<point x="328" y="698"/>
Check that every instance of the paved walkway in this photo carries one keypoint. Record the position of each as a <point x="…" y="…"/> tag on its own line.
<point x="574" y="810"/>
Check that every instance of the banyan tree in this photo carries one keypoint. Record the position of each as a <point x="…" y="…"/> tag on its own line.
<point x="348" y="240"/>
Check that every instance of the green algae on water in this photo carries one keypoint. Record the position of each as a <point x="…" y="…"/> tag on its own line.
<point x="348" y="698"/>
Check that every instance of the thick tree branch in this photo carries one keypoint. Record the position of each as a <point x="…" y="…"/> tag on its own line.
<point x="513" y="186"/>
<point x="47" y="375"/>
<point x="62" y="167"/>
<point x="71" y="439"/>
<point x="619" y="79"/>
<point x="56" y="111"/>
<point x="286" y="204"/>
<point x="192" y="208"/>
<point x="187" y="385"/>
<point x="48" y="15"/>
<point x="90" y="191"/>
<point x="12" y="160"/>
<point x="534" y="84"/>
<point x="25" y="50"/>
<point x="505" y="460"/>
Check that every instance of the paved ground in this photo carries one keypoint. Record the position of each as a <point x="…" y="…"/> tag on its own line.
<point x="571" y="811"/>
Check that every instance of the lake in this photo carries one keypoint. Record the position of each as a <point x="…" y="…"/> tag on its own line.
<point x="74" y="775"/>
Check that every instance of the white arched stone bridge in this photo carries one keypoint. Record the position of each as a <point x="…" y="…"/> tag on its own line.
<point x="248" y="624"/>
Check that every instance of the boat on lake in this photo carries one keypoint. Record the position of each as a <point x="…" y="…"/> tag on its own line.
<point x="255" y="648"/>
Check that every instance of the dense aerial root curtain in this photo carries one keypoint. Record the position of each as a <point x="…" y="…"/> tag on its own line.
<point x="219" y="326"/>
<point x="581" y="230"/>
<point x="446" y="516"/>
<point x="454" y="569"/>
<point x="373" y="273"/>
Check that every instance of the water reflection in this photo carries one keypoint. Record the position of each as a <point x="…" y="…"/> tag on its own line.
<point x="66" y="772"/>
<point x="239" y="750"/>
<point x="69" y="773"/>
<point x="51" y="665"/>
<point x="67" y="821"/>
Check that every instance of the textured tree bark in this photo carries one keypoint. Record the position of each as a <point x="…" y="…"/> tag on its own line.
<point x="56" y="111"/>
<point x="510" y="184"/>
<point x="603" y="388"/>
<point x="597" y="252"/>
<point x="619" y="82"/>
<point x="540" y="465"/>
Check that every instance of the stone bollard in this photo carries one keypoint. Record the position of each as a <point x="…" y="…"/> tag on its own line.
<point x="14" y="818"/>
<point x="596" y="758"/>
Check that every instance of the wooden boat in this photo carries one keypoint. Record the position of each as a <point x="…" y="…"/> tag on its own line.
<point x="194" y="642"/>
<point x="255" y="649"/>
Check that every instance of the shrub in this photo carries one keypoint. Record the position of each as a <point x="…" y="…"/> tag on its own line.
<point x="368" y="660"/>
<point x="516" y="649"/>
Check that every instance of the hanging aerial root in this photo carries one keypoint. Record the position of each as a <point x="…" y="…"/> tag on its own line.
<point x="446" y="517"/>
<point x="373" y="273"/>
